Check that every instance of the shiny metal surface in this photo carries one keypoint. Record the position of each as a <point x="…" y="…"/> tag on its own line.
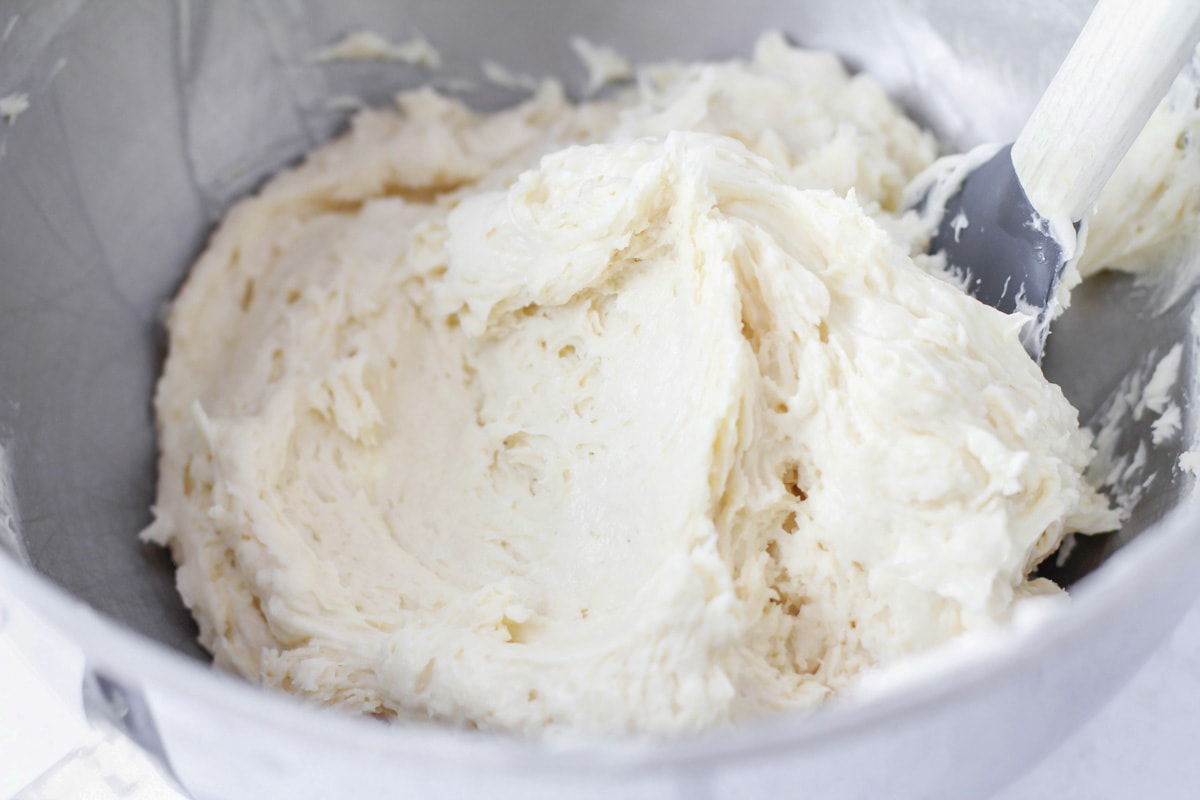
<point x="147" y="118"/>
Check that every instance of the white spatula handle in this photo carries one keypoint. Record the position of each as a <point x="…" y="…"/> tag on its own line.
<point x="1112" y="79"/>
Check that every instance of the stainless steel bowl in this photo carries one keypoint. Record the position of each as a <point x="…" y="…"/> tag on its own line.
<point x="147" y="119"/>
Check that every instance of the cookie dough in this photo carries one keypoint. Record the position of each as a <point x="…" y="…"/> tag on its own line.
<point x="637" y="415"/>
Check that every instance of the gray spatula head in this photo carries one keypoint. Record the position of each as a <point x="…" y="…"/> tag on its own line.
<point x="990" y="232"/>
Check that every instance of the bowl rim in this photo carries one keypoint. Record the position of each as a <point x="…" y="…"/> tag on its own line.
<point x="1164" y="553"/>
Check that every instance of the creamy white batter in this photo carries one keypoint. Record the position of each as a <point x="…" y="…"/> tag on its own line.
<point x="1154" y="195"/>
<point x="632" y="416"/>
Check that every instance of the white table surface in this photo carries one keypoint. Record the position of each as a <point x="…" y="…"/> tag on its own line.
<point x="1142" y="745"/>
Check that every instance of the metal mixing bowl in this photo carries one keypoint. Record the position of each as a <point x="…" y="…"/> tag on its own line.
<point x="147" y="119"/>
